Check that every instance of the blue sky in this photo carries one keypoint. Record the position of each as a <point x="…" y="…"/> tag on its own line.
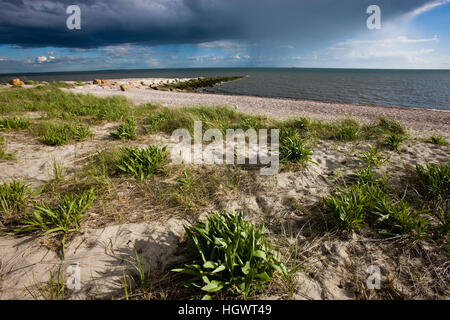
<point x="137" y="34"/>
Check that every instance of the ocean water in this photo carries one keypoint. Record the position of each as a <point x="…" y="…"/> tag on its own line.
<point x="399" y="88"/>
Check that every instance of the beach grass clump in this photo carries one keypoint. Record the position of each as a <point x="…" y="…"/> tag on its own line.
<point x="80" y="133"/>
<point x="127" y="130"/>
<point x="438" y="140"/>
<point x="390" y="125"/>
<point x="301" y="125"/>
<point x="14" y="123"/>
<point x="14" y="196"/>
<point x="394" y="141"/>
<point x="342" y="130"/>
<point x="250" y="122"/>
<point x="168" y="120"/>
<point x="434" y="181"/>
<point x="3" y="154"/>
<point x="232" y="256"/>
<point x="293" y="149"/>
<point x="346" y="130"/>
<point x="57" y="103"/>
<point x="372" y="157"/>
<point x="63" y="218"/>
<point x="58" y="134"/>
<point x="60" y="84"/>
<point x="142" y="163"/>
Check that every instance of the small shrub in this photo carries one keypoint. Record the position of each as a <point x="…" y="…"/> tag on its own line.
<point x="127" y="130"/>
<point x="372" y="158"/>
<point x="142" y="163"/>
<point x="438" y="140"/>
<point x="393" y="141"/>
<point x="64" y="218"/>
<point x="231" y="255"/>
<point x="14" y="123"/>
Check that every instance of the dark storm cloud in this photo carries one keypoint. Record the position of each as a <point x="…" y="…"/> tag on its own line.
<point x="35" y="23"/>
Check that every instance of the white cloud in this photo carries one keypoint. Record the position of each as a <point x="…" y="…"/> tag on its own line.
<point x="427" y="7"/>
<point x="382" y="42"/>
<point x="226" y="45"/>
<point x="41" y="59"/>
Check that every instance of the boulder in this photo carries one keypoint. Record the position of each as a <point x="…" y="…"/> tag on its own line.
<point x="16" y="82"/>
<point x="125" y="87"/>
<point x="100" y="81"/>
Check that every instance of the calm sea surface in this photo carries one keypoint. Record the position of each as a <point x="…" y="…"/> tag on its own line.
<point x="407" y="88"/>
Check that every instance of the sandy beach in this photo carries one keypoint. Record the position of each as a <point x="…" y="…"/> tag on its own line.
<point x="417" y="120"/>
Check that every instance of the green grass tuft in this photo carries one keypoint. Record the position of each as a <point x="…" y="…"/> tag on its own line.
<point x="14" y="123"/>
<point x="394" y="141"/>
<point x="292" y="148"/>
<point x="3" y="154"/>
<point x="58" y="134"/>
<point x="366" y="204"/>
<point x="127" y="130"/>
<point x="434" y="181"/>
<point x="389" y="125"/>
<point x="64" y="218"/>
<point x="142" y="163"/>
<point x="438" y="140"/>
<point x="14" y="196"/>
<point x="372" y="158"/>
